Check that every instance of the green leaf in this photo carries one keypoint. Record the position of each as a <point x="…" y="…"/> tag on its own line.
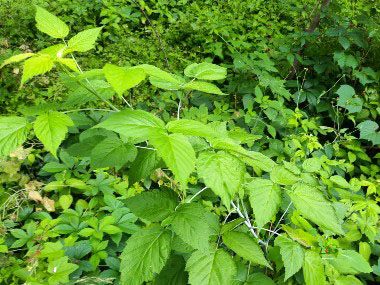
<point x="65" y="201"/>
<point x="55" y="51"/>
<point x="50" y="24"/>
<point x="252" y="158"/>
<point x="246" y="247"/>
<point x="204" y="87"/>
<point x="145" y="255"/>
<point x="259" y="278"/>
<point x="158" y="73"/>
<point x="51" y="129"/>
<point x="69" y="62"/>
<point x="206" y="71"/>
<point x="368" y="131"/>
<point x="16" y="58"/>
<point x="112" y="152"/>
<point x="221" y="172"/>
<point x="83" y="41"/>
<point x="190" y="224"/>
<point x="265" y="199"/>
<point x="145" y="163"/>
<point x="177" y="153"/>
<point x="344" y="42"/>
<point x="347" y="280"/>
<point x="35" y="66"/>
<point x="192" y="128"/>
<point x="13" y="133"/>
<point x="210" y="268"/>
<point x="173" y="273"/>
<point x="350" y="262"/>
<point x="61" y="269"/>
<point x="153" y="206"/>
<point x="346" y="100"/>
<point x="167" y="85"/>
<point x="292" y="255"/>
<point x="122" y="79"/>
<point x="311" y="203"/>
<point x="135" y="124"/>
<point x="52" y="250"/>
<point x="280" y="175"/>
<point x="312" y="164"/>
<point x="340" y="181"/>
<point x="313" y="270"/>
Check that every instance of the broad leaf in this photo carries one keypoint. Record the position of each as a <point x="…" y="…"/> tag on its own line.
<point x="280" y="175"/>
<point x="210" y="268"/>
<point x="265" y="198"/>
<point x="245" y="246"/>
<point x="50" y="24"/>
<point x="311" y="203"/>
<point x="311" y="164"/>
<point x="83" y="41"/>
<point x="350" y="262"/>
<point x="153" y="206"/>
<point x="292" y="255"/>
<point x="368" y="131"/>
<point x="51" y="129"/>
<point x="206" y="71"/>
<point x="159" y="73"/>
<point x="60" y="269"/>
<point x="259" y="278"/>
<point x="35" y="66"/>
<point x="145" y="163"/>
<point x="68" y="62"/>
<point x="13" y="133"/>
<point x="112" y="152"/>
<point x="347" y="280"/>
<point x="346" y="100"/>
<point x="122" y="79"/>
<point x="145" y="255"/>
<point x="16" y="58"/>
<point x="192" y="128"/>
<point x="167" y="85"/>
<point x="136" y="124"/>
<point x="204" y="87"/>
<point x="173" y="273"/>
<point x="177" y="153"/>
<point x="221" y="172"/>
<point x="190" y="224"/>
<point x="313" y="270"/>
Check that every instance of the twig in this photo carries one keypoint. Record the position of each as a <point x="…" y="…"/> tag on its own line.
<point x="199" y="192"/>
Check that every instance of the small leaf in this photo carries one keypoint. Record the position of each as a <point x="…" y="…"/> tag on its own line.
<point x="145" y="163"/>
<point x="122" y="79"/>
<point x="158" y="73"/>
<point x="83" y="41"/>
<point x="368" y="131"/>
<point x="50" y="24"/>
<point x="209" y="268"/>
<point x="344" y="42"/>
<point x="206" y="71"/>
<point x="13" y="133"/>
<point x="192" y="128"/>
<point x="65" y="201"/>
<point x="280" y="175"/>
<point x="245" y="246"/>
<point x="346" y="100"/>
<point x="16" y="58"/>
<point x="35" y="66"/>
<point x="311" y="165"/>
<point x="313" y="270"/>
<point x="292" y="255"/>
<point x="51" y="129"/>
<point x="61" y="269"/>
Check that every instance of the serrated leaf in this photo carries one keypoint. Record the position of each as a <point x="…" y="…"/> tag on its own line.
<point x="83" y="41"/>
<point x="206" y="71"/>
<point x="350" y="262"/>
<point x="210" y="268"/>
<point x="265" y="199"/>
<point x="51" y="129"/>
<point x="153" y="206"/>
<point x="190" y="224"/>
<point x="192" y="128"/>
<point x="145" y="255"/>
<point x="177" y="153"/>
<point x="13" y="133"/>
<point x="292" y="255"/>
<point x="310" y="202"/>
<point x="259" y="278"/>
<point x="122" y="79"/>
<point x="50" y="24"/>
<point x="368" y="131"/>
<point x="16" y="58"/>
<point x="159" y="73"/>
<point x="60" y="269"/>
<point x="280" y="175"/>
<point x="136" y="124"/>
<point x="204" y="87"/>
<point x="340" y="181"/>
<point x="173" y="273"/>
<point x="313" y="270"/>
<point x="145" y="163"/>
<point x="69" y="62"/>
<point x="35" y="66"/>
<point x="112" y="152"/>
<point x="347" y="280"/>
<point x="167" y="85"/>
<point x="246" y="247"/>
<point x="55" y="51"/>
<point x="312" y="164"/>
<point x="346" y="100"/>
<point x="221" y="172"/>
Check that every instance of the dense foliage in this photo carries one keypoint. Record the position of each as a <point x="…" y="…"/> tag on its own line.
<point x="190" y="142"/>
